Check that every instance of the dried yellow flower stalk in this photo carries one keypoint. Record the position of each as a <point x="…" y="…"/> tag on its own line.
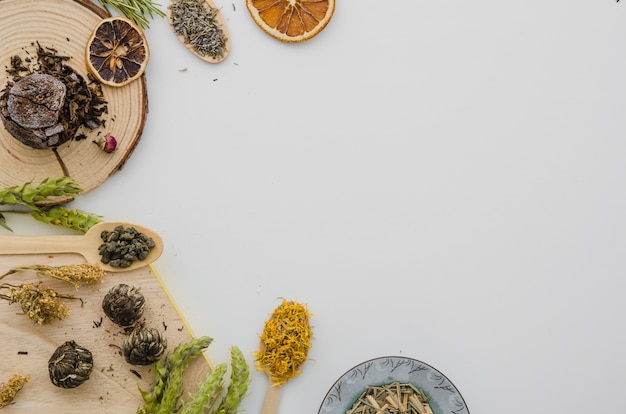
<point x="9" y="390"/>
<point x="285" y="342"/>
<point x="40" y="304"/>
<point x="77" y="275"/>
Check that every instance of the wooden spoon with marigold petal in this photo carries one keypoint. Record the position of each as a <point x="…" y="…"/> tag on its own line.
<point x="285" y="342"/>
<point x="200" y="26"/>
<point x="86" y="245"/>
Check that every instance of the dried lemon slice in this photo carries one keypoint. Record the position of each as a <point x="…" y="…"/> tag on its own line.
<point x="117" y="51"/>
<point x="291" y="20"/>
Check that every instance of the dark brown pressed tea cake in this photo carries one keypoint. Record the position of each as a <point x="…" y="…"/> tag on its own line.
<point x="45" y="104"/>
<point x="31" y="108"/>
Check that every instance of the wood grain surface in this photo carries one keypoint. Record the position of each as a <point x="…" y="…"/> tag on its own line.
<point x="112" y="387"/>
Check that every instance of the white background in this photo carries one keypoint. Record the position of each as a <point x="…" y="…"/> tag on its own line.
<point x="443" y="180"/>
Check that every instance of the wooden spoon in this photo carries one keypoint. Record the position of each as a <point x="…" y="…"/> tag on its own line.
<point x="221" y="23"/>
<point x="87" y="245"/>
<point x="272" y="398"/>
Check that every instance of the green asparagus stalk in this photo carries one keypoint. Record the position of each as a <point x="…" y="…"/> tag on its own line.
<point x="169" y="375"/>
<point x="239" y="381"/>
<point x="208" y="392"/>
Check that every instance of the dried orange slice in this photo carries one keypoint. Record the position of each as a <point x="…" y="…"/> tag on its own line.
<point x="291" y="20"/>
<point x="117" y="51"/>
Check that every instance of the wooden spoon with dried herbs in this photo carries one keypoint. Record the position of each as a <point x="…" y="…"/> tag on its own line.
<point x="285" y="342"/>
<point x="200" y="26"/>
<point x="115" y="246"/>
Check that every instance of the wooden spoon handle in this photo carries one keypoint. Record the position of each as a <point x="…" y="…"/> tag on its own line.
<point x="40" y="244"/>
<point x="272" y="399"/>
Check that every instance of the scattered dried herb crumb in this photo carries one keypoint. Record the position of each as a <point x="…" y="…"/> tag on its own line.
<point x="138" y="375"/>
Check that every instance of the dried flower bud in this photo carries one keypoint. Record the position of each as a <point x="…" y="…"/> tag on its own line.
<point x="144" y="346"/>
<point x="9" y="390"/>
<point x="123" y="304"/>
<point x="40" y="304"/>
<point x="70" y="365"/>
<point x="107" y="144"/>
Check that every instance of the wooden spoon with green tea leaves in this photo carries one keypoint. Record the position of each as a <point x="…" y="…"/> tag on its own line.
<point x="285" y="342"/>
<point x="200" y="26"/>
<point x="88" y="245"/>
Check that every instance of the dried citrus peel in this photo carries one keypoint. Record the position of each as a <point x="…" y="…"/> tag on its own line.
<point x="285" y="342"/>
<point x="291" y="20"/>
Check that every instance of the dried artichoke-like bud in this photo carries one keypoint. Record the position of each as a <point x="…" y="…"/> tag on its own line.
<point x="70" y="365"/>
<point x="123" y="304"/>
<point x="144" y="346"/>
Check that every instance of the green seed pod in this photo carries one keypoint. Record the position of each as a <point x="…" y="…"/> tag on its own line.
<point x="70" y="365"/>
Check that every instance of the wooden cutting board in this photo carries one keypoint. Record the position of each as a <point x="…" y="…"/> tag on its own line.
<point x="113" y="387"/>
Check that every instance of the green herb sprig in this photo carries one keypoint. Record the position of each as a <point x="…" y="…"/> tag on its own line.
<point x="239" y="381"/>
<point x="165" y="394"/>
<point x="208" y="392"/>
<point x="30" y="196"/>
<point x="170" y="372"/>
<point x="139" y="11"/>
<point x="65" y="217"/>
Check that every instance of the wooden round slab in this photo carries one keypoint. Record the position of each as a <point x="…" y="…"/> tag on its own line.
<point x="65" y="25"/>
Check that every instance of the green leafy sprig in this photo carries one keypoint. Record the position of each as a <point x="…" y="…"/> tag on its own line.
<point x="165" y="394"/>
<point x="139" y="11"/>
<point x="239" y="381"/>
<point x="30" y="196"/>
<point x="170" y="372"/>
<point x="208" y="392"/>
<point x="71" y="218"/>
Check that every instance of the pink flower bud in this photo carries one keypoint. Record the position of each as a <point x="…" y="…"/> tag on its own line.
<point x="107" y="144"/>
